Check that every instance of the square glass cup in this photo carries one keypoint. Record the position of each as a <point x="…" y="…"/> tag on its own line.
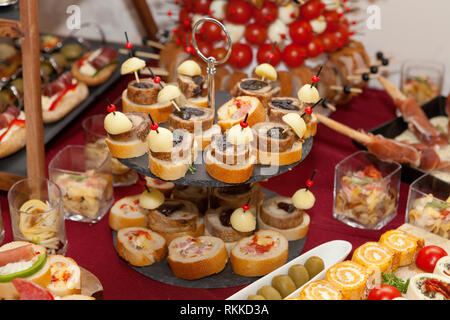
<point x="422" y="79"/>
<point x="366" y="191"/>
<point x="85" y="179"/>
<point x="94" y="136"/>
<point x="428" y="205"/>
<point x="37" y="214"/>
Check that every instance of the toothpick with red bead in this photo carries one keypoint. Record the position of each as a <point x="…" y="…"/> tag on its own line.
<point x="154" y="125"/>
<point x="129" y="45"/>
<point x="143" y="183"/>
<point x="246" y="206"/>
<point x="315" y="79"/>
<point x="271" y="55"/>
<point x="244" y="123"/>
<point x="156" y="79"/>
<point x="188" y="48"/>
<point x="111" y="107"/>
<point x="309" y="182"/>
<point x="309" y="110"/>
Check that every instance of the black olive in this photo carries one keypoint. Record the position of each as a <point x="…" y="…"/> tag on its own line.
<point x="142" y="85"/>
<point x="285" y="104"/>
<point x="288" y="207"/>
<point x="168" y="208"/>
<point x="185" y="113"/>
<point x="225" y="217"/>
<point x="380" y="55"/>
<point x="373" y="69"/>
<point x="365" y="76"/>
<point x="385" y="61"/>
<point x="277" y="133"/>
<point x="347" y="89"/>
<point x="253" y="84"/>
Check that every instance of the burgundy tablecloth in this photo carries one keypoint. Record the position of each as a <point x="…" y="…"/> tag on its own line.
<point x="91" y="245"/>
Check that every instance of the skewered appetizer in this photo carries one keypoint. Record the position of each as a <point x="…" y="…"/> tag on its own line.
<point x="428" y="286"/>
<point x="235" y="196"/>
<point x="259" y="254"/>
<point x="218" y="224"/>
<point x="279" y="214"/>
<point x="235" y="110"/>
<point x="198" y="121"/>
<point x="164" y="187"/>
<point x="62" y="96"/>
<point x="66" y="276"/>
<point x="195" y="194"/>
<point x="229" y="162"/>
<point x="96" y="67"/>
<point x="171" y="153"/>
<point x="127" y="212"/>
<point x="403" y="245"/>
<point x="321" y="290"/>
<point x="20" y="259"/>
<point x="85" y="193"/>
<point x="127" y="134"/>
<point x="193" y="258"/>
<point x="12" y="130"/>
<point x="140" y="246"/>
<point x="376" y="256"/>
<point x="175" y="218"/>
<point x="276" y="144"/>
<point x="192" y="83"/>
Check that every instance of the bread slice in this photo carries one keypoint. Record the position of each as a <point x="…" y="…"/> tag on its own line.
<point x="128" y="149"/>
<point x="140" y="246"/>
<point x="159" y="111"/>
<point x="193" y="258"/>
<point x="66" y="276"/>
<point x="295" y="233"/>
<point x="234" y="111"/>
<point x="236" y="196"/>
<point x="217" y="223"/>
<point x="165" y="187"/>
<point x="13" y="142"/>
<point x="126" y="213"/>
<point x="69" y="101"/>
<point x="259" y="254"/>
<point x="199" y="101"/>
<point x="238" y="173"/>
<point x="100" y="78"/>
<point x="281" y="158"/>
<point x="204" y="139"/>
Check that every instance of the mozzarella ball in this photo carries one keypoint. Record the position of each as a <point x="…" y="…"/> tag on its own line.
<point x="189" y="68"/>
<point x="168" y="93"/>
<point x="117" y="122"/>
<point x="296" y="123"/>
<point x="308" y="94"/>
<point x="151" y="200"/>
<point x="161" y="141"/>
<point x="238" y="135"/>
<point x="303" y="199"/>
<point x="266" y="71"/>
<point x="243" y="221"/>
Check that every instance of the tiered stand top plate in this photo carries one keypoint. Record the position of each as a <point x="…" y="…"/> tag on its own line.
<point x="200" y="177"/>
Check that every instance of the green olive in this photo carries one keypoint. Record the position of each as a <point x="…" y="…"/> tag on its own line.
<point x="299" y="274"/>
<point x="270" y="293"/>
<point x="47" y="67"/>
<point x="18" y="83"/>
<point x="284" y="285"/>
<point x="7" y="97"/>
<point x="72" y="51"/>
<point x="255" y="297"/>
<point x="314" y="265"/>
<point x="60" y="59"/>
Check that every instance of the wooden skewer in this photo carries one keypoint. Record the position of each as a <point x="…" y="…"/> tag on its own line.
<point x="154" y="44"/>
<point x="357" y="77"/>
<point x="340" y="88"/>
<point x="379" y="63"/>
<point x="143" y="54"/>
<point x="326" y="103"/>
<point x="156" y="71"/>
<point x="391" y="89"/>
<point x="345" y="130"/>
<point x="379" y="66"/>
<point x="136" y="76"/>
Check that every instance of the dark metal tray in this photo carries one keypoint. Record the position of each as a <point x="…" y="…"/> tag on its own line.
<point x="393" y="128"/>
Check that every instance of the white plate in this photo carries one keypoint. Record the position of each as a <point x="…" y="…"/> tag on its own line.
<point x="331" y="253"/>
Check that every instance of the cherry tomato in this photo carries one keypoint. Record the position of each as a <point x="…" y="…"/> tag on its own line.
<point x="262" y="56"/>
<point x="314" y="48"/>
<point x="238" y="11"/>
<point x="428" y="257"/>
<point x="201" y="6"/>
<point x="300" y="32"/>
<point x="211" y="31"/>
<point x="255" y="34"/>
<point x="342" y="36"/>
<point x="384" y="292"/>
<point x="267" y="14"/>
<point x="205" y="47"/>
<point x="310" y="10"/>
<point x="332" y="18"/>
<point x="219" y="53"/>
<point x="329" y="42"/>
<point x="241" y="55"/>
<point x="185" y="15"/>
<point x="294" y="55"/>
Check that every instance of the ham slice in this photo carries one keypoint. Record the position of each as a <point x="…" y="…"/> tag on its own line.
<point x="60" y="84"/>
<point x="106" y="56"/>
<point x="22" y="253"/>
<point x="8" y="115"/>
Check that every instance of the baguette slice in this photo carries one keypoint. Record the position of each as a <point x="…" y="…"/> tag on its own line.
<point x="193" y="258"/>
<point x="204" y="139"/>
<point x="159" y="111"/>
<point x="100" y="78"/>
<point x="164" y="187"/>
<point x="126" y="213"/>
<point x="236" y="196"/>
<point x="129" y="149"/>
<point x="238" y="173"/>
<point x="140" y="246"/>
<point x="281" y="158"/>
<point x="66" y="276"/>
<point x="14" y="142"/>
<point x="199" y="101"/>
<point x="217" y="223"/>
<point x="259" y="254"/>
<point x="235" y="110"/>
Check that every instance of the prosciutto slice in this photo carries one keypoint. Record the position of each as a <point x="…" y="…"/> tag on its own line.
<point x="58" y="85"/>
<point x="106" y="56"/>
<point x="8" y="115"/>
<point x="22" y="253"/>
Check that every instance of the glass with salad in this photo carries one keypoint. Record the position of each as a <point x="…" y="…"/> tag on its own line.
<point x="85" y="179"/>
<point x="366" y="191"/>
<point x="429" y="205"/>
<point x="422" y="79"/>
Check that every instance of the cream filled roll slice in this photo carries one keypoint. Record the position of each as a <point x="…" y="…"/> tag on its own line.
<point x="351" y="278"/>
<point x="277" y="144"/>
<point x="235" y="110"/>
<point x="428" y="286"/>
<point x="142" y="97"/>
<point x="140" y="246"/>
<point x="258" y="88"/>
<point x="259" y="254"/>
<point x="404" y="245"/>
<point x="443" y="267"/>
<point x="375" y="256"/>
<point x="66" y="276"/>
<point x="126" y="213"/>
<point x="321" y="290"/>
<point x="127" y="134"/>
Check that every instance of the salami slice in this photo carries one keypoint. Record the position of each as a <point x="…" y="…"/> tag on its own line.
<point x="28" y="290"/>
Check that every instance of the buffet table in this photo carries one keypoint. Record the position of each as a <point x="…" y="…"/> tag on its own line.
<point x="91" y="245"/>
